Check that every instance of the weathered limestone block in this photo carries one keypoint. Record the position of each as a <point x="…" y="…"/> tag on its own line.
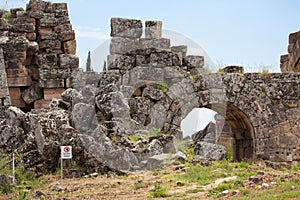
<point x="29" y="95"/>
<point x="47" y="60"/>
<point x="156" y="44"/>
<point x="28" y="28"/>
<point x="122" y="62"/>
<point x="18" y="103"/>
<point x="153" y="93"/>
<point x="39" y="5"/>
<point x="120" y="45"/>
<point x="180" y="50"/>
<point x="50" y="93"/>
<point x="21" y="71"/>
<point x="63" y="20"/>
<point x="139" y="75"/>
<point x="15" y="50"/>
<point x="54" y="73"/>
<point x="4" y="25"/>
<point x="193" y="61"/>
<point x="47" y="36"/>
<point x="48" y="20"/>
<point x="294" y="60"/>
<point x="33" y="48"/>
<point x="51" y="83"/>
<point x="163" y="59"/>
<point x="140" y="105"/>
<point x="52" y="44"/>
<point x="234" y="69"/>
<point x="130" y="28"/>
<point x="210" y="151"/>
<point x="62" y="27"/>
<point x="14" y="12"/>
<point x="153" y="29"/>
<point x="60" y="9"/>
<point x="23" y="24"/>
<point x="69" y="47"/>
<point x="45" y="31"/>
<point x="42" y="103"/>
<point x="19" y="81"/>
<point x="15" y="92"/>
<point x="31" y="36"/>
<point x="66" y="35"/>
<point x="68" y="61"/>
<point x="84" y="117"/>
<point x="36" y="14"/>
<point x="293" y="37"/>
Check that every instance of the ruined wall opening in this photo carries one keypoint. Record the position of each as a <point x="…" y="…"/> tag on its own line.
<point x="223" y="124"/>
<point x="243" y="144"/>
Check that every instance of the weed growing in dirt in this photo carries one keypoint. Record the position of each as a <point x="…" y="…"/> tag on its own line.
<point x="158" y="191"/>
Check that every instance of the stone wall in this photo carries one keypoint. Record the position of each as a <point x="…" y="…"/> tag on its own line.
<point x="39" y="52"/>
<point x="4" y="93"/>
<point x="291" y="61"/>
<point x="150" y="84"/>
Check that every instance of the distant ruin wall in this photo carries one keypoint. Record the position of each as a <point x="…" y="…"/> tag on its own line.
<point x="39" y="52"/>
<point x="291" y="61"/>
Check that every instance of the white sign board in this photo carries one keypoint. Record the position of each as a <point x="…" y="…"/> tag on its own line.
<point x="66" y="152"/>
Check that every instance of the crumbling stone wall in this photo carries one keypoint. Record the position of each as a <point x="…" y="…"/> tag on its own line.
<point x="291" y="61"/>
<point x="39" y="52"/>
<point x="4" y="94"/>
<point x="150" y="84"/>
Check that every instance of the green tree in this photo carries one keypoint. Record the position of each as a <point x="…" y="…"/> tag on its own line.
<point x="88" y="63"/>
<point x="104" y="66"/>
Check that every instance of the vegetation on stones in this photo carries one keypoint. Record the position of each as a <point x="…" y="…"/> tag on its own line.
<point x="265" y="73"/>
<point x="207" y="70"/>
<point x="221" y="70"/>
<point x="53" y="67"/>
<point x="286" y="106"/>
<point x="161" y="86"/>
<point x="24" y="178"/>
<point x="8" y="17"/>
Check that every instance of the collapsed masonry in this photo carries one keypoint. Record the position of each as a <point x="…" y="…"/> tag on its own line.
<point x="39" y="47"/>
<point x="291" y="61"/>
<point x="150" y="84"/>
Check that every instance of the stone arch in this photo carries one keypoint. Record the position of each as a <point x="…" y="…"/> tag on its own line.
<point x="243" y="144"/>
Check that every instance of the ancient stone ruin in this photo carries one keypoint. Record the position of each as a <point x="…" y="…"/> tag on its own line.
<point x="149" y="86"/>
<point x="291" y="61"/>
<point x="38" y="46"/>
<point x="158" y="85"/>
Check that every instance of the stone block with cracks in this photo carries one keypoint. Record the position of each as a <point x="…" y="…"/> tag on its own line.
<point x="153" y="29"/>
<point x="68" y="61"/>
<point x="192" y="61"/>
<point x="129" y="28"/>
<point x="123" y="62"/>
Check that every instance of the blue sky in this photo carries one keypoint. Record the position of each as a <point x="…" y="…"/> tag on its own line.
<point x="233" y="32"/>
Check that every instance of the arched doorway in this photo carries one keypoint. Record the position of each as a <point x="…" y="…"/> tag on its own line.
<point x="243" y="144"/>
<point x="233" y="129"/>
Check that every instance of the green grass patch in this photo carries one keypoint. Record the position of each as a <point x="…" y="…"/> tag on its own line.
<point x="296" y="167"/>
<point x="133" y="138"/>
<point x="161" y="86"/>
<point x="226" y="185"/>
<point x="159" y="191"/>
<point x="192" y="191"/>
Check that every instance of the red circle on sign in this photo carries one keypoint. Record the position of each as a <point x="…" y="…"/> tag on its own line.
<point x="67" y="149"/>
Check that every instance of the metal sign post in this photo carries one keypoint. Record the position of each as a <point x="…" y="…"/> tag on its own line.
<point x="13" y="165"/>
<point x="66" y="153"/>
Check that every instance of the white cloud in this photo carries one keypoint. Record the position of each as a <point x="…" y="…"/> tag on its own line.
<point x="91" y="32"/>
